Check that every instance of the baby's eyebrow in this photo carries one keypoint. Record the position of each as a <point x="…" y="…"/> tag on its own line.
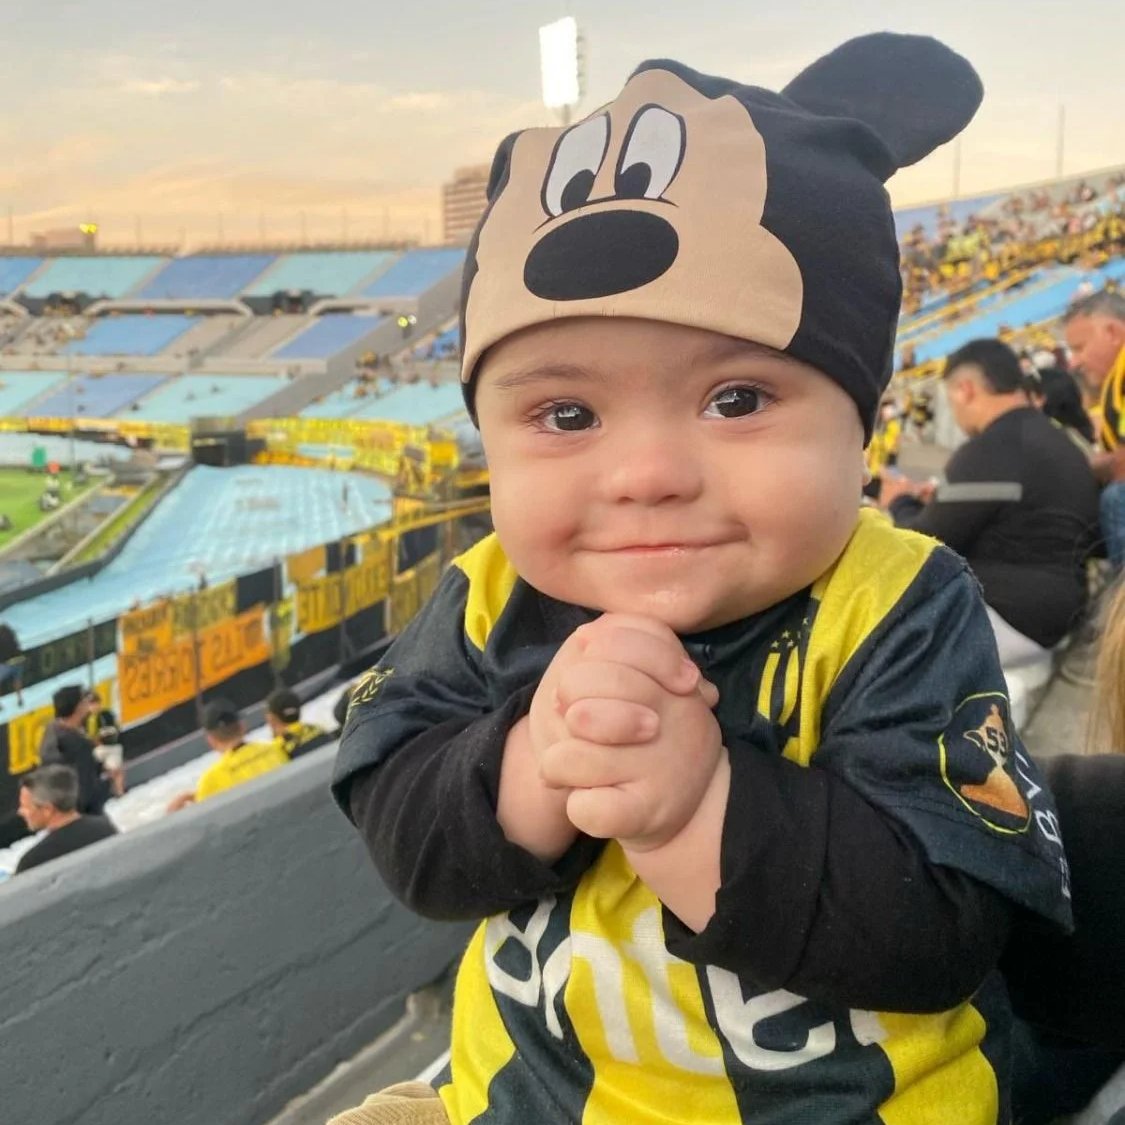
<point x="548" y="372"/>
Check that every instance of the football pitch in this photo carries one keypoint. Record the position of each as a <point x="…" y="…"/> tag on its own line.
<point x="20" y="490"/>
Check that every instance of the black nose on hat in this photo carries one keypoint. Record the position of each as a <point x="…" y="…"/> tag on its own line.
<point x="600" y="254"/>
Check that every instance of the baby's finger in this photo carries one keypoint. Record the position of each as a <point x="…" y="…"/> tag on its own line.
<point x="607" y="680"/>
<point x="575" y="762"/>
<point x="709" y="692"/>
<point x="607" y="813"/>
<point x="611" y="722"/>
<point x="662" y="658"/>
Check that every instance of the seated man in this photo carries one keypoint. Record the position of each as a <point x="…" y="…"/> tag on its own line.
<point x="240" y="761"/>
<point x="283" y="716"/>
<point x="49" y="800"/>
<point x="65" y="742"/>
<point x="1019" y="502"/>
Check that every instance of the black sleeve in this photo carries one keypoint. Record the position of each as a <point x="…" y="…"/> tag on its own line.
<point x="1074" y="985"/>
<point x="428" y="816"/>
<point x="856" y="915"/>
<point x="418" y="772"/>
<point x="974" y="490"/>
<point x="884" y="874"/>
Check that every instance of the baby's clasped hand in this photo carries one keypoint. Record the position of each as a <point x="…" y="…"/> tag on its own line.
<point x="623" y="720"/>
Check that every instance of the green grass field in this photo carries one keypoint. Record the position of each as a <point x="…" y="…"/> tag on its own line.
<point x="20" y="490"/>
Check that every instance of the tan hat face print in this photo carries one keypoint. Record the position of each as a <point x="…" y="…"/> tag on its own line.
<point x="649" y="208"/>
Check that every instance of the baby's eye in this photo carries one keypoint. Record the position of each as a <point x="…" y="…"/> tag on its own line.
<point x="736" y="402"/>
<point x="567" y="417"/>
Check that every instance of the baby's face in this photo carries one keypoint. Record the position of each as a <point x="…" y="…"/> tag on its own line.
<point x="645" y="468"/>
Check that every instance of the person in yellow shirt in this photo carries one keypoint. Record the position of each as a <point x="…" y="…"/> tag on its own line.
<point x="283" y="716"/>
<point x="240" y="761"/>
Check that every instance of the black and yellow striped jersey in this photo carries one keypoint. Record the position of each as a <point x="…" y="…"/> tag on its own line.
<point x="580" y="999"/>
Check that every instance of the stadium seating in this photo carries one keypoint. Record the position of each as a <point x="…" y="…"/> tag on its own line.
<point x="328" y="335"/>
<point x="192" y="396"/>
<point x="927" y="217"/>
<point x="220" y="522"/>
<point x="417" y="404"/>
<point x="15" y="271"/>
<point x="19" y="388"/>
<point x="329" y="274"/>
<point x="415" y="272"/>
<point x="205" y="276"/>
<point x="96" y="277"/>
<point x="1041" y="304"/>
<point x="131" y="335"/>
<point x="94" y="396"/>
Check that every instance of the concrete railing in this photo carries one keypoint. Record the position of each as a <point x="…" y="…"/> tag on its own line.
<point x="206" y="969"/>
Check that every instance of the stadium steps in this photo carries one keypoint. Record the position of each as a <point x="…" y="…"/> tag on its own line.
<point x="261" y="336"/>
<point x="205" y="336"/>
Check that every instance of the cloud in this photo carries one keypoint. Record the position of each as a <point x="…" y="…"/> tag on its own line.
<point x="423" y="101"/>
<point x="159" y="87"/>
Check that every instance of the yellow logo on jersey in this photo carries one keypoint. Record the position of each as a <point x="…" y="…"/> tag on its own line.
<point x="977" y="763"/>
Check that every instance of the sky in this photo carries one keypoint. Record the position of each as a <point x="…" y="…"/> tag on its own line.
<point x="235" y="121"/>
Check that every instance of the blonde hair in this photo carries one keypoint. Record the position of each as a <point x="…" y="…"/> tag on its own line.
<point x="1109" y="692"/>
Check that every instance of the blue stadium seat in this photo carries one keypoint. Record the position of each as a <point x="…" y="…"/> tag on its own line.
<point x="221" y="521"/>
<point x="18" y="388"/>
<point x="131" y="335"/>
<point x="417" y="404"/>
<point x="415" y="272"/>
<point x="202" y="276"/>
<point x="1046" y="302"/>
<point x="94" y="396"/>
<point x="327" y="336"/>
<point x="193" y="396"/>
<point x="96" y="277"/>
<point x="15" y="271"/>
<point x="330" y="274"/>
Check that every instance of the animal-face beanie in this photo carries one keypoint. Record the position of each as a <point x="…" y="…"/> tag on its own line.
<point x="699" y="201"/>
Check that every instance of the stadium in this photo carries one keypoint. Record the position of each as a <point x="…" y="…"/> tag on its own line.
<point x="229" y="472"/>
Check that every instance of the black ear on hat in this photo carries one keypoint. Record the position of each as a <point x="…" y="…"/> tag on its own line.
<point x="913" y="92"/>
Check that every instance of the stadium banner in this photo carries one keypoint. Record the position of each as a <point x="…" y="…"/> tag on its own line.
<point x="148" y="629"/>
<point x="323" y="602"/>
<point x="13" y="425"/>
<point x="25" y="732"/>
<point x="163" y="435"/>
<point x="305" y="565"/>
<point x="51" y="425"/>
<point x="151" y="681"/>
<point x="46" y="661"/>
<point x="403" y="603"/>
<point x="203" y="608"/>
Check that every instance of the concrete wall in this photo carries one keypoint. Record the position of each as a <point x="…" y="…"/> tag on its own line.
<point x="206" y="969"/>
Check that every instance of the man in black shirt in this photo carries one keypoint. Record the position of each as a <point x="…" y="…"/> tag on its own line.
<point x="48" y="800"/>
<point x="1019" y="502"/>
<point x="65" y="742"/>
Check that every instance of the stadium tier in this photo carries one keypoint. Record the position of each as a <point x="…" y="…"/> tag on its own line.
<point x="19" y="389"/>
<point x="927" y="217"/>
<point x="221" y="522"/>
<point x="93" y="396"/>
<point x="329" y="274"/>
<point x="94" y="276"/>
<point x="205" y="276"/>
<point x="415" y="272"/>
<point x="327" y="336"/>
<point x="131" y="335"/>
<point x="193" y="396"/>
<point x="15" y="271"/>
<point x="417" y="404"/>
<point x="16" y="450"/>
